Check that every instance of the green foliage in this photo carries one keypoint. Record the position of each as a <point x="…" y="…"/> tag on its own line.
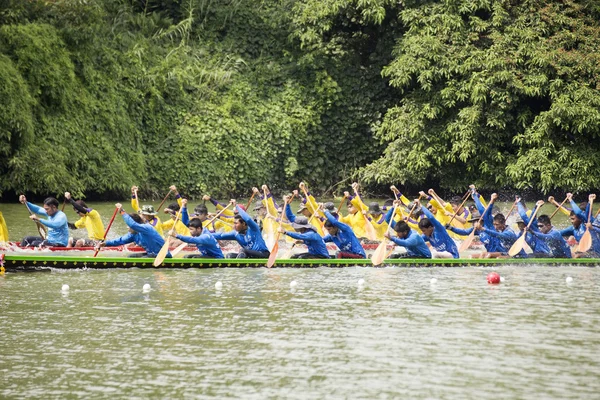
<point x="220" y="96"/>
<point x="495" y="93"/>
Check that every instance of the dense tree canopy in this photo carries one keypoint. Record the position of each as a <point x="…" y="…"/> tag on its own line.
<point x="220" y="96"/>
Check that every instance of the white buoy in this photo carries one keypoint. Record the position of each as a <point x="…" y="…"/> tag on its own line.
<point x="65" y="288"/>
<point x="219" y="285"/>
<point x="293" y="284"/>
<point x="433" y="280"/>
<point x="502" y="279"/>
<point x="569" y="279"/>
<point x="146" y="287"/>
<point x="361" y="282"/>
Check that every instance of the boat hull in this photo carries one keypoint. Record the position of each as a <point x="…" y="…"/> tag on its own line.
<point x="41" y="262"/>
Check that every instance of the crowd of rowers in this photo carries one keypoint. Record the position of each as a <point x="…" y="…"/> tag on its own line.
<point x="421" y="231"/>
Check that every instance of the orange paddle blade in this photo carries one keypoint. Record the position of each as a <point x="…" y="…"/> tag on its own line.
<point x="585" y="243"/>
<point x="273" y="255"/>
<point x="380" y="253"/>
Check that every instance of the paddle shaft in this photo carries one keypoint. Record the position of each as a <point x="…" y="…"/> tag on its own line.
<point x="380" y="253"/>
<point x="459" y="207"/>
<point x="369" y="228"/>
<point x="162" y="202"/>
<point x="275" y="249"/>
<point x="250" y="201"/>
<point x="107" y="229"/>
<point x="160" y="257"/>
<point x="41" y="228"/>
<point x="218" y="214"/>
<point x="558" y="207"/>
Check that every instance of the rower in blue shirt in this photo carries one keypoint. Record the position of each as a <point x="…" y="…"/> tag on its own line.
<point x="141" y="233"/>
<point x="207" y="245"/>
<point x="307" y="234"/>
<point x="58" y="230"/>
<point x="247" y="233"/>
<point x="539" y="246"/>
<point x="492" y="244"/>
<point x="551" y="236"/>
<point x="435" y="233"/>
<point x="503" y="232"/>
<point x="413" y="242"/>
<point x="579" y="219"/>
<point x="343" y="236"/>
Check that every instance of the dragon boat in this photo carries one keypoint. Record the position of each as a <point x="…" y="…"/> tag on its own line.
<point x="18" y="262"/>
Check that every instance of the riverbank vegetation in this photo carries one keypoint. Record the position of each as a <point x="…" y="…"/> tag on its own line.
<point x="216" y="97"/>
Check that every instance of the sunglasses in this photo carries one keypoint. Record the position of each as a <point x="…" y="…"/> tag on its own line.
<point x="541" y="225"/>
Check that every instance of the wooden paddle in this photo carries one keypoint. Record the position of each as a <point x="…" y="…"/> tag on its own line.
<point x="467" y="242"/>
<point x="459" y="207"/>
<point x="369" y="228"/>
<point x="380" y="253"/>
<point x="250" y="201"/>
<point x="107" y="229"/>
<point x="162" y="202"/>
<point x="586" y="240"/>
<point x="40" y="227"/>
<point x="520" y="243"/>
<point x="557" y="207"/>
<point x="275" y="249"/>
<point x="178" y="249"/>
<point x="160" y="257"/>
<point x="341" y="204"/>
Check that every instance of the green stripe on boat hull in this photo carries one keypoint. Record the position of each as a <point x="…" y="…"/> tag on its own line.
<point x="23" y="263"/>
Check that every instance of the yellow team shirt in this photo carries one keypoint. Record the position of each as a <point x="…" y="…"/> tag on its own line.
<point x="318" y="220"/>
<point x="3" y="229"/>
<point x="356" y="221"/>
<point x="378" y="222"/>
<point x="180" y="228"/>
<point x="93" y="224"/>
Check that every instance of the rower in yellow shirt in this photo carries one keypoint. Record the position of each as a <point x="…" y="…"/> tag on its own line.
<point x="3" y="230"/>
<point x="173" y="209"/>
<point x="354" y="218"/>
<point x="89" y="219"/>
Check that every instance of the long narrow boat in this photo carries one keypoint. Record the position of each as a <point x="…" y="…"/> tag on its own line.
<point x="41" y="262"/>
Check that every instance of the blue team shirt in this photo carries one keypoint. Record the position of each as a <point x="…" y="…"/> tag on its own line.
<point x="251" y="239"/>
<point x="145" y="236"/>
<point x="58" y="230"/>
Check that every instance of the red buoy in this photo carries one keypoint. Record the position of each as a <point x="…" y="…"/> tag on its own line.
<point x="493" y="278"/>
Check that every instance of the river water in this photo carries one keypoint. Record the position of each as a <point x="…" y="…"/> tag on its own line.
<point x="288" y="333"/>
<point x="397" y="335"/>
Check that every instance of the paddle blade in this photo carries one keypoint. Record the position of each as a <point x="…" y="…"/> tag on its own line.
<point x="517" y="246"/>
<point x="380" y="254"/>
<point x="371" y="233"/>
<point x="467" y="242"/>
<point x="178" y="249"/>
<point x="273" y="255"/>
<point x="527" y="248"/>
<point x="585" y="243"/>
<point x="160" y="257"/>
